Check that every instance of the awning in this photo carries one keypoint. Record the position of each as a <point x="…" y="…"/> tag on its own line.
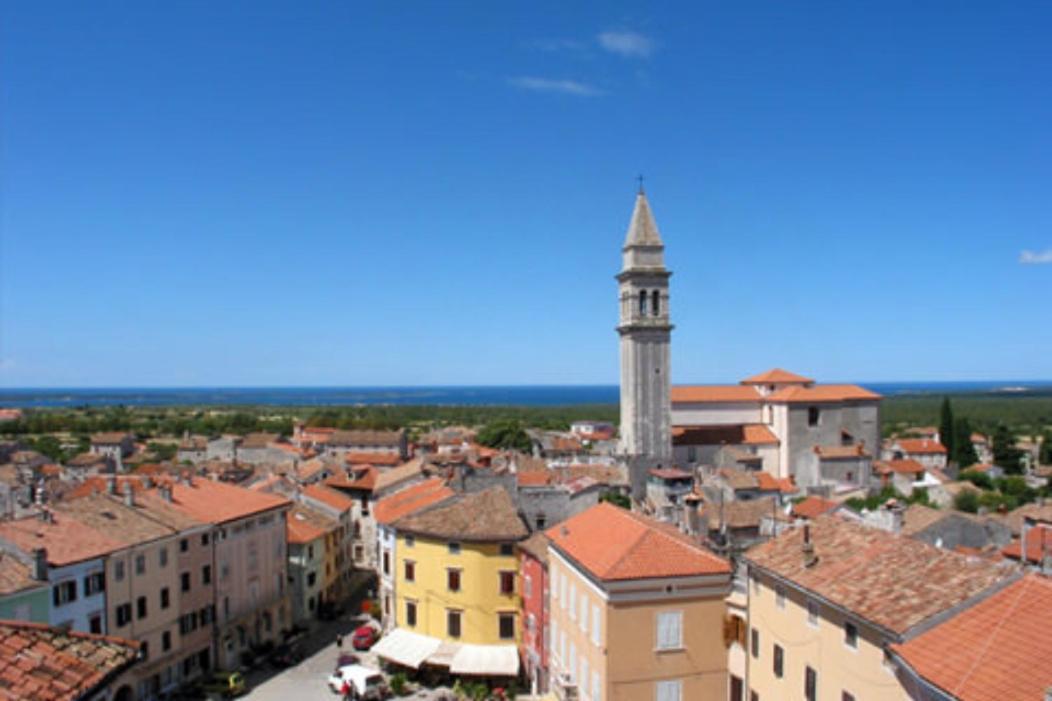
<point x="406" y="648"/>
<point x="486" y="660"/>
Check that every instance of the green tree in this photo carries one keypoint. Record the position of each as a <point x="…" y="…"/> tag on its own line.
<point x="963" y="452"/>
<point x="617" y="499"/>
<point x="1045" y="456"/>
<point x="947" y="427"/>
<point x="162" y="451"/>
<point x="1006" y="455"/>
<point x="506" y="435"/>
<point x="49" y="446"/>
<point x="966" y="501"/>
<point x="979" y="479"/>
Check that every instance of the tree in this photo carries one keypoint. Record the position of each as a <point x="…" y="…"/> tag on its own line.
<point x="947" y="426"/>
<point x="963" y="449"/>
<point x="1006" y="455"/>
<point x="162" y="451"/>
<point x="617" y="499"/>
<point x="505" y="434"/>
<point x="1045" y="456"/>
<point x="966" y="501"/>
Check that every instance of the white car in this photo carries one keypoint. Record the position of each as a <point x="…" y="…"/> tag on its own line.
<point x="366" y="683"/>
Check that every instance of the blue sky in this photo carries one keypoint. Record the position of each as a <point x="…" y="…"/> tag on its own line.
<point x="341" y="193"/>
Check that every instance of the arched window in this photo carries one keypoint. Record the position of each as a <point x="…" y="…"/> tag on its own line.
<point x="642" y="303"/>
<point x="655" y="302"/>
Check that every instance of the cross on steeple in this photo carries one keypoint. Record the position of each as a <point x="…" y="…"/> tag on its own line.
<point x="640" y="179"/>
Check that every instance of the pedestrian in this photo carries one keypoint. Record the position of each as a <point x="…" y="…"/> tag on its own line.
<point x="339" y="641"/>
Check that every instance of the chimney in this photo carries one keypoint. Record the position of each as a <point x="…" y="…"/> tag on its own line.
<point x="111" y="485"/>
<point x="166" y="492"/>
<point x="45" y="515"/>
<point x="147" y="481"/>
<point x="40" y="564"/>
<point x="810" y="558"/>
<point x="129" y="494"/>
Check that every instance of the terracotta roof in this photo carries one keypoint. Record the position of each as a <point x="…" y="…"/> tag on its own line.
<point x="16" y="575"/>
<point x="110" y="515"/>
<point x="921" y="446"/>
<point x="410" y="500"/>
<point x="304" y="524"/>
<point x="728" y="434"/>
<point x="536" y="546"/>
<point x="694" y="394"/>
<point x="768" y="482"/>
<point x="534" y="478"/>
<point x="669" y="473"/>
<point x="67" y="539"/>
<point x="87" y="460"/>
<point x="739" y="479"/>
<point x="351" y="438"/>
<point x="777" y="376"/>
<point x="385" y="459"/>
<point x="48" y="664"/>
<point x="978" y="438"/>
<point x="813" y="507"/>
<point x="218" y="502"/>
<point x="907" y="466"/>
<point x="997" y="650"/>
<point x="893" y="581"/>
<point x="331" y="497"/>
<point x="917" y="517"/>
<point x="821" y="393"/>
<point x="395" y="476"/>
<point x="612" y="544"/>
<point x="484" y="516"/>
<point x="603" y="474"/>
<point x="1014" y="518"/>
<point x="110" y="438"/>
<point x="841" y="452"/>
<point x="1038" y="546"/>
<point x="258" y="440"/>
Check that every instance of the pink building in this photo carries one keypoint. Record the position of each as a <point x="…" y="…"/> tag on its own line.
<point x="533" y="572"/>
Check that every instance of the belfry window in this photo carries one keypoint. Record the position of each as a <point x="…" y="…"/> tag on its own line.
<point x="655" y="303"/>
<point x="642" y="303"/>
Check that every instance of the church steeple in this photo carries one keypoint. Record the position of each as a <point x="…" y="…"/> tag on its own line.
<point x="642" y="229"/>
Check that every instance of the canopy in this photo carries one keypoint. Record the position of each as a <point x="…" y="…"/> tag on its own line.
<point x="406" y="648"/>
<point x="487" y="660"/>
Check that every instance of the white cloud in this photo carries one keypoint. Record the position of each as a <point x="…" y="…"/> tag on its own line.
<point x="567" y="87"/>
<point x="1036" y="257"/>
<point x="630" y="44"/>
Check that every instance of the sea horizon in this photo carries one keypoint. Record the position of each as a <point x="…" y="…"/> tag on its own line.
<point x="420" y="395"/>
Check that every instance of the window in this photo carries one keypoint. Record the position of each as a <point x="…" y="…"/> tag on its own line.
<point x="507" y="582"/>
<point x="812" y="613"/>
<point x="527" y="586"/>
<point x="582" y="678"/>
<point x="562" y="590"/>
<point x="755" y="643"/>
<point x="118" y="570"/>
<point x="507" y="549"/>
<point x="596" y="628"/>
<point x="453" y="623"/>
<point x="453" y="580"/>
<point x="655" y="302"/>
<point x="737" y="689"/>
<point x="642" y="303"/>
<point x="754" y="696"/>
<point x="851" y="635"/>
<point x="204" y="539"/>
<point x="597" y="694"/>
<point x="359" y="553"/>
<point x="810" y="684"/>
<point x="312" y="577"/>
<point x="64" y="593"/>
<point x="409" y="541"/>
<point x="184" y="545"/>
<point x="779" y="596"/>
<point x="847" y="696"/>
<point x="166" y="641"/>
<point x="506" y="625"/>
<point x="164" y="598"/>
<point x="140" y="606"/>
<point x="95" y="624"/>
<point x="162" y="557"/>
<point x="123" y="614"/>
<point x="812" y="416"/>
<point x="184" y="580"/>
<point x="583" y="619"/>
<point x="778" y="661"/>
<point x="94" y="583"/>
<point x="670" y="630"/>
<point x="454" y="548"/>
<point x="140" y="564"/>
<point x="387" y="562"/>
<point x="410" y="614"/>
<point x="208" y="615"/>
<point x="206" y="574"/>
<point x="410" y="571"/>
<point x="669" y="690"/>
<point x="144" y="651"/>
<point x="572" y="603"/>
<point x="310" y="552"/>
<point x="541" y="521"/>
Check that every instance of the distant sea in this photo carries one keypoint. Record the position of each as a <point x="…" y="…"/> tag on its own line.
<point x="516" y="395"/>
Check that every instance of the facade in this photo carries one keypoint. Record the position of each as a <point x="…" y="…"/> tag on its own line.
<point x="339" y="542"/>
<point x="372" y="443"/>
<point x="636" y="610"/>
<point x="533" y="583"/>
<point x="307" y="531"/>
<point x="820" y="435"/>
<point x="825" y="602"/>
<point x="929" y="453"/>
<point x="645" y="330"/>
<point x="24" y="590"/>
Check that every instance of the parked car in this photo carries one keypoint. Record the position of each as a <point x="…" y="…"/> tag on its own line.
<point x="286" y="656"/>
<point x="364" y="637"/>
<point x="347" y="659"/>
<point x="365" y="683"/>
<point x="226" y="684"/>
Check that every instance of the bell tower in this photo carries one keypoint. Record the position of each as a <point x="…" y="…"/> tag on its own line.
<point x="645" y="330"/>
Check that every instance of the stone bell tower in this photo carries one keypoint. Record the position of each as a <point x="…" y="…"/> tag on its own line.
<point x="645" y="330"/>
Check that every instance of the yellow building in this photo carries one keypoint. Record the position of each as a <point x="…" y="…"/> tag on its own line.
<point x="636" y="612"/>
<point x="826" y="600"/>
<point x="455" y="573"/>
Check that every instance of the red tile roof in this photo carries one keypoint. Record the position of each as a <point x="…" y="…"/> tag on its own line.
<point x="999" y="649"/>
<point x="16" y="575"/>
<point x="1038" y="546"/>
<point x="758" y="434"/>
<point x="907" y="466"/>
<point x="386" y="459"/>
<point x="534" y="478"/>
<point x="777" y="376"/>
<point x="363" y="477"/>
<point x="67" y="539"/>
<point x="410" y="500"/>
<point x="669" y="473"/>
<point x="304" y="524"/>
<point x="768" y="482"/>
<point x="47" y="664"/>
<point x="821" y="393"/>
<point x="893" y="581"/>
<point x="841" y="452"/>
<point x="921" y="446"/>
<point x="614" y="544"/>
<point x="813" y="507"/>
<point x="714" y="393"/>
<point x="218" y="502"/>
<point x="329" y="496"/>
<point x="487" y="516"/>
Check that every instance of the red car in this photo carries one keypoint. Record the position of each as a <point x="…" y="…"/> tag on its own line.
<point x="364" y="637"/>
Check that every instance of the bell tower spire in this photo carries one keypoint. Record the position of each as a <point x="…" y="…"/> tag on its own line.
<point x="645" y="329"/>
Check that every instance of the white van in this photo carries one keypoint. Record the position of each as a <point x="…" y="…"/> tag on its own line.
<point x="367" y="683"/>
